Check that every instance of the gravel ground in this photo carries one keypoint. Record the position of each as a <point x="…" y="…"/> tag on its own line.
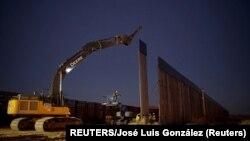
<point x="12" y="135"/>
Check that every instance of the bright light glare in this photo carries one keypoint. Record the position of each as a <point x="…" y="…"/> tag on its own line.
<point x="68" y="69"/>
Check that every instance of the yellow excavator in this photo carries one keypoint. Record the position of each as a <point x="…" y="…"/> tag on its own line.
<point x="50" y="113"/>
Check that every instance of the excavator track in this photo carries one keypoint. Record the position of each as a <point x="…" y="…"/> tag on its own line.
<point x="55" y="123"/>
<point x="23" y="123"/>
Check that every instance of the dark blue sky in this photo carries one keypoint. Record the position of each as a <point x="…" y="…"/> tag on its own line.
<point x="206" y="41"/>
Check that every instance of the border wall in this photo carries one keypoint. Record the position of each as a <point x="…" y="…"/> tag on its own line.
<point x="181" y="101"/>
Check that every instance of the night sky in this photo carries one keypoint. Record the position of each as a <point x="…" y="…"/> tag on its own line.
<point x="206" y="41"/>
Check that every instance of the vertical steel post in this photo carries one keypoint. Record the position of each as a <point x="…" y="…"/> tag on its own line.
<point x="203" y="102"/>
<point x="143" y="82"/>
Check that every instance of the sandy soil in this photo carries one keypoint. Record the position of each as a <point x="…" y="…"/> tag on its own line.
<point x="12" y="135"/>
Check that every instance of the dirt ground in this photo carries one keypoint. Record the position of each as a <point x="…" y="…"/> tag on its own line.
<point x="6" y="134"/>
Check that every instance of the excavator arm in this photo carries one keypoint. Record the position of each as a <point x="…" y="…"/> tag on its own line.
<point x="56" y="87"/>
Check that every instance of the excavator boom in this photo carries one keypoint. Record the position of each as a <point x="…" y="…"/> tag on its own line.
<point x="56" y="87"/>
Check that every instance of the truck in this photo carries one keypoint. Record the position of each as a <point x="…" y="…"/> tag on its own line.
<point x="50" y="113"/>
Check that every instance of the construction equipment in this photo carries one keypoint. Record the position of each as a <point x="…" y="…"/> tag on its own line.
<point x="112" y="100"/>
<point x="50" y="113"/>
<point x="122" y="115"/>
